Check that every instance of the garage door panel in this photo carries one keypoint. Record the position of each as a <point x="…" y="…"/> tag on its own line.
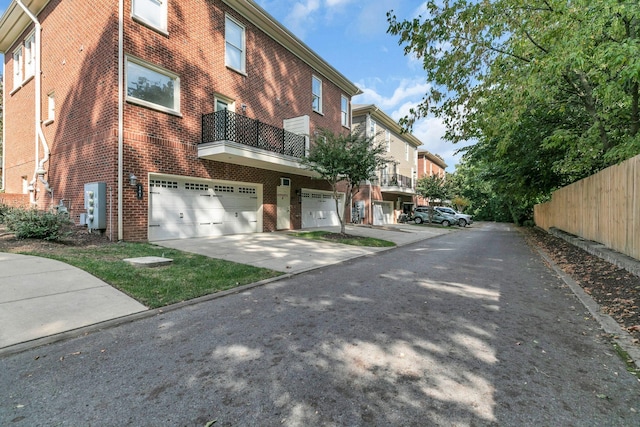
<point x="319" y="209"/>
<point x="184" y="208"/>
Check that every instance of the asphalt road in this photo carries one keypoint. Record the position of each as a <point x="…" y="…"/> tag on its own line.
<point x="464" y="329"/>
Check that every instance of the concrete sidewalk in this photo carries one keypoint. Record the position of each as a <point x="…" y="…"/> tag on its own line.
<point x="40" y="297"/>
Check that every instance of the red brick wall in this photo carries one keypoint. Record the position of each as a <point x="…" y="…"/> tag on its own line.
<point x="79" y="64"/>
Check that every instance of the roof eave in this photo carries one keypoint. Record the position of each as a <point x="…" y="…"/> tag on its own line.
<point x="14" y="21"/>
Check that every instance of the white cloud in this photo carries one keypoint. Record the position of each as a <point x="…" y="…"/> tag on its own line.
<point x="406" y="89"/>
<point x="301" y="18"/>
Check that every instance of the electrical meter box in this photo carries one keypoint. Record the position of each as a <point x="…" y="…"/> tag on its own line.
<point x="95" y="203"/>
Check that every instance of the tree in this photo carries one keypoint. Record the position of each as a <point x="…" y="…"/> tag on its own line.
<point x="432" y="187"/>
<point x="549" y="89"/>
<point x="348" y="158"/>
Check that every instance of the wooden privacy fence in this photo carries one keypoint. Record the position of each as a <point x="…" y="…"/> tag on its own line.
<point x="604" y="207"/>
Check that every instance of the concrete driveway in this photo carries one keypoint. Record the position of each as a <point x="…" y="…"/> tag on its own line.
<point x="280" y="251"/>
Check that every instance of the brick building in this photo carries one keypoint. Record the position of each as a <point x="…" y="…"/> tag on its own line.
<point x="429" y="164"/>
<point x="154" y="120"/>
<point x="381" y="201"/>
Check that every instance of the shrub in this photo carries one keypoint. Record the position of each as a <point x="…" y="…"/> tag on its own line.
<point x="31" y="223"/>
<point x="4" y="211"/>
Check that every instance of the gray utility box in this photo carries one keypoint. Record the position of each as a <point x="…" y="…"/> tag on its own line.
<point x="95" y="203"/>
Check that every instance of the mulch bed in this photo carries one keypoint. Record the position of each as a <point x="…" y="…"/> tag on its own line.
<point x="615" y="289"/>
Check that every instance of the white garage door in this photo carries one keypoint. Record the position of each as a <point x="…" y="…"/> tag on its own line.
<point x="319" y="208"/>
<point x="382" y="213"/>
<point x="181" y="207"/>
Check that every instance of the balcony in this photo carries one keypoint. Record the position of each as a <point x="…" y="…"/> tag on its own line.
<point x="394" y="184"/>
<point x="233" y="138"/>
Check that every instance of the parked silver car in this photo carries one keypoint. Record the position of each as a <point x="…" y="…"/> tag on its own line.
<point x="421" y="214"/>
<point x="463" y="219"/>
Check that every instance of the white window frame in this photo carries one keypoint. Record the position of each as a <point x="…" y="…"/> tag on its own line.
<point x="138" y="13"/>
<point x="316" y="96"/>
<point x="51" y="108"/>
<point x="344" y="111"/>
<point x="229" y="45"/>
<point x="372" y="128"/>
<point x="18" y="59"/>
<point x="30" y="56"/>
<point x="387" y="139"/>
<point x="155" y="69"/>
<point x="231" y="103"/>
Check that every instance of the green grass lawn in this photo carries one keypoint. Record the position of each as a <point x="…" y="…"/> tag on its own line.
<point x="328" y="236"/>
<point x="189" y="276"/>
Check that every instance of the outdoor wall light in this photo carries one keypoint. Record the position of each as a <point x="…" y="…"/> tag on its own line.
<point x="133" y="180"/>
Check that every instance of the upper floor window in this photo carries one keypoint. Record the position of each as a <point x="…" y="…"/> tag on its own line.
<point x="235" y="45"/>
<point x="344" y="111"/>
<point x="387" y="139"/>
<point x="316" y="93"/>
<point x="51" y="107"/>
<point x="18" y="76"/>
<point x="30" y="56"/>
<point x="151" y="12"/>
<point x="372" y="128"/>
<point x="152" y="86"/>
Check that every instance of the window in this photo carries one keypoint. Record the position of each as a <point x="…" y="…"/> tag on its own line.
<point x="30" y="57"/>
<point x="17" y="68"/>
<point x="51" y="107"/>
<point x="344" y="111"/>
<point x="234" y="35"/>
<point x="406" y="151"/>
<point x="151" y="12"/>
<point x="372" y="128"/>
<point x="152" y="86"/>
<point x="316" y="92"/>
<point x="387" y="139"/>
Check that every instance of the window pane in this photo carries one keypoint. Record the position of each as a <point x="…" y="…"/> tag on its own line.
<point x="151" y="86"/>
<point x="234" y="51"/>
<point x="153" y="12"/>
<point x="316" y="90"/>
<point x="233" y="57"/>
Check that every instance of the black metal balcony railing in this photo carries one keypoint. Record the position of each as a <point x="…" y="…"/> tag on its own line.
<point x="226" y="125"/>
<point x="395" y="180"/>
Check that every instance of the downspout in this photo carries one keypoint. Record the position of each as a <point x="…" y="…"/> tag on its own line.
<point x="120" y="114"/>
<point x="39" y="171"/>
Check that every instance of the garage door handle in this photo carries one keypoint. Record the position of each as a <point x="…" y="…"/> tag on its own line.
<point x="154" y="225"/>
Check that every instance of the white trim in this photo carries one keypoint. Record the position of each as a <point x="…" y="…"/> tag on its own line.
<point x="314" y="95"/>
<point x="162" y="27"/>
<point x="159" y="70"/>
<point x="242" y="48"/>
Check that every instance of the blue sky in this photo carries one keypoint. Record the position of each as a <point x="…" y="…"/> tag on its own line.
<point x="352" y="36"/>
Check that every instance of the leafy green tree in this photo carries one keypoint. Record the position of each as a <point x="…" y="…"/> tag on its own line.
<point x="432" y="187"/>
<point x="344" y="158"/>
<point x="549" y="89"/>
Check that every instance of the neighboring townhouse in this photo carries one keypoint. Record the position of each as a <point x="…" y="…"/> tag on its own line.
<point x="429" y="164"/>
<point x="152" y="120"/>
<point x="393" y="192"/>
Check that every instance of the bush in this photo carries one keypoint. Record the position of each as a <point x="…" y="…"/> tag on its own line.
<point x="4" y="211"/>
<point x="31" y="223"/>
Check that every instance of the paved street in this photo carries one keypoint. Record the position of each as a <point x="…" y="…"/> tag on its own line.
<point x="468" y="328"/>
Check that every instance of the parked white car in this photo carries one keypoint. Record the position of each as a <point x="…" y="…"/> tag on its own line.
<point x="463" y="219"/>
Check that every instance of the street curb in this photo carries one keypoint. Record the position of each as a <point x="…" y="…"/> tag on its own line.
<point x="607" y="323"/>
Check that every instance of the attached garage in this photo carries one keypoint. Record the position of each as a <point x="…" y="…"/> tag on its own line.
<point x="183" y="207"/>
<point x="382" y="212"/>
<point x="319" y="208"/>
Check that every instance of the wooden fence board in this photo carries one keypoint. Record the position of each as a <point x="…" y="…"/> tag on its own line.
<point x="604" y="207"/>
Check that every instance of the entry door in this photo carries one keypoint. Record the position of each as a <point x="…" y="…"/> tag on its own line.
<point x="283" y="207"/>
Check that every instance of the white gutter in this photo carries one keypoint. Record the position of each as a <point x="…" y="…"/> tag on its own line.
<point x="120" y="113"/>
<point x="39" y="171"/>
